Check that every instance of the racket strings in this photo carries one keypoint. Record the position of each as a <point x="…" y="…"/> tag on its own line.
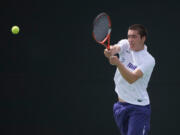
<point x="101" y="28"/>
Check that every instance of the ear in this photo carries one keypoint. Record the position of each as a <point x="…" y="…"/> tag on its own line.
<point x="144" y="38"/>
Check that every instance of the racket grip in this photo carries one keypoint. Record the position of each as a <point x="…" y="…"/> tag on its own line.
<point x="108" y="45"/>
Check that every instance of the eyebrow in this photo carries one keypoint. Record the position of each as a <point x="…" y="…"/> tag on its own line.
<point x="132" y="35"/>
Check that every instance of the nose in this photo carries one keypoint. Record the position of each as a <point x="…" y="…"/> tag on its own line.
<point x="130" y="40"/>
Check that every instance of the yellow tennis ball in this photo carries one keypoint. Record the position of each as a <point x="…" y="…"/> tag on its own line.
<point x="15" y="29"/>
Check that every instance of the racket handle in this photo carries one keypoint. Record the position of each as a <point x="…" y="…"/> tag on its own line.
<point x="108" y="45"/>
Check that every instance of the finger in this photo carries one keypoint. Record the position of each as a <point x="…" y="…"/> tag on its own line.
<point x="114" y="57"/>
<point x="106" y="49"/>
<point x="111" y="57"/>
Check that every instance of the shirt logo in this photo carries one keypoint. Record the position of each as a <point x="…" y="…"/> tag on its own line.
<point x="127" y="51"/>
<point x="131" y="66"/>
<point x="139" y="100"/>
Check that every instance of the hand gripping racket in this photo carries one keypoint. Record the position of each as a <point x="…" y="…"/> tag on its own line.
<point x="102" y="29"/>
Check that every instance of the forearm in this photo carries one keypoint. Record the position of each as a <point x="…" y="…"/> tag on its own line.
<point x="129" y="76"/>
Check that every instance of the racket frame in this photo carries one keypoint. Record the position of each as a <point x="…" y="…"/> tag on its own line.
<point x="107" y="38"/>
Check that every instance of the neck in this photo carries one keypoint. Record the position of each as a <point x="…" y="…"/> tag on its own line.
<point x="140" y="48"/>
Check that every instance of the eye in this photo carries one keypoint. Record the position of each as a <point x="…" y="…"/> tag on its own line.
<point x="134" y="36"/>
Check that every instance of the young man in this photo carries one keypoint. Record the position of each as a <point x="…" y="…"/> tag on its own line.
<point x="134" y="68"/>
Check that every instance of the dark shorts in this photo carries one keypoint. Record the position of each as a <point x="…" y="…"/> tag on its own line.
<point x="132" y="119"/>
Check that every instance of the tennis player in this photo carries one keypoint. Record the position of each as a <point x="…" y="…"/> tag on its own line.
<point x="134" y="68"/>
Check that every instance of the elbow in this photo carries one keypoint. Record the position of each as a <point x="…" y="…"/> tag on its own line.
<point x="131" y="81"/>
<point x="134" y="78"/>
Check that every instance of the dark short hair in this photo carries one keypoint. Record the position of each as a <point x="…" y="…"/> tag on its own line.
<point x="140" y="28"/>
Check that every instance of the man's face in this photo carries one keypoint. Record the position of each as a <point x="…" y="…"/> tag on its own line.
<point x="135" y="40"/>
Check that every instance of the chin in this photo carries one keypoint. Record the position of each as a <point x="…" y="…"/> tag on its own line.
<point x="132" y="48"/>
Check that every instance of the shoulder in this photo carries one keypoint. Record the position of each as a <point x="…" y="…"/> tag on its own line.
<point x="123" y="41"/>
<point x="146" y="62"/>
<point x="124" y="44"/>
<point x="149" y="58"/>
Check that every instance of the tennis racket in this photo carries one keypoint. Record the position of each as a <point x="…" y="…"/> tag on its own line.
<point x="102" y="29"/>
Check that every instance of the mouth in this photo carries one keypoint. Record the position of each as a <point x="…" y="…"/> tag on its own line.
<point x="132" y="45"/>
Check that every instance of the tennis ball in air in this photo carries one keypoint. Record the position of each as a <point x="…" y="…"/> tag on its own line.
<point x="15" y="29"/>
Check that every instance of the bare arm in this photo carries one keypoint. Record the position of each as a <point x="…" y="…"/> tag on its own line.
<point x="129" y="76"/>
